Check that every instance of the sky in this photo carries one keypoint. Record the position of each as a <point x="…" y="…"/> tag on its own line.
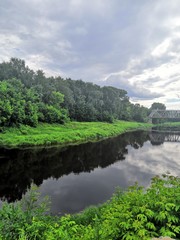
<point x="129" y="44"/>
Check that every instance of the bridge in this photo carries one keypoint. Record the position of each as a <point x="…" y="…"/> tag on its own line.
<point x="164" y="114"/>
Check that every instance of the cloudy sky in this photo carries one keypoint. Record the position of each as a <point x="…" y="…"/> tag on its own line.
<point x="129" y="44"/>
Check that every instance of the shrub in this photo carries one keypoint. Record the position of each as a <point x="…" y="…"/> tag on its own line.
<point x="135" y="214"/>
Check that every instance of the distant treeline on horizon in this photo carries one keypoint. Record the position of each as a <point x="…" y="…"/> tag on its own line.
<point x="29" y="97"/>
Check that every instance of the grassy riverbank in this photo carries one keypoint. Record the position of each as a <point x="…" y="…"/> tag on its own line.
<point x="170" y="124"/>
<point x="135" y="214"/>
<point x="72" y="132"/>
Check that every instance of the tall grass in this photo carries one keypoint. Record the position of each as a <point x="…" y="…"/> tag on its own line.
<point x="72" y="132"/>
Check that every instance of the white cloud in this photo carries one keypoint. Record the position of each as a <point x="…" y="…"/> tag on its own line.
<point x="161" y="48"/>
<point x="152" y="161"/>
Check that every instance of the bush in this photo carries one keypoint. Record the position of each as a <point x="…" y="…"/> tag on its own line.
<point x="51" y="114"/>
<point x="17" y="220"/>
<point x="135" y="214"/>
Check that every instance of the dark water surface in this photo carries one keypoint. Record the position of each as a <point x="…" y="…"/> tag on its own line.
<point x="78" y="176"/>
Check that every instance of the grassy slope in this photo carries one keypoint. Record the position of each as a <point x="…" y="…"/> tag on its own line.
<point x="72" y="132"/>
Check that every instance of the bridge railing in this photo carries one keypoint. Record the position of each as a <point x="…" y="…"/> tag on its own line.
<point x="162" y="114"/>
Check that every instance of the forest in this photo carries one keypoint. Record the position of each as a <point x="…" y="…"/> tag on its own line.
<point x="29" y="97"/>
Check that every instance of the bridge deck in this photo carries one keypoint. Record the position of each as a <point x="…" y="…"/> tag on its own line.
<point x="165" y="114"/>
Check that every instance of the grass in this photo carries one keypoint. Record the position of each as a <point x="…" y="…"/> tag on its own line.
<point x="73" y="132"/>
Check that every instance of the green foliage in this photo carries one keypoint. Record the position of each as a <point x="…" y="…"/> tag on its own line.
<point x="17" y="220"/>
<point x="137" y="213"/>
<point x="140" y="214"/>
<point x="157" y="105"/>
<point x="51" y="114"/>
<point x="56" y="98"/>
<point x="83" y="101"/>
<point x="18" y="105"/>
<point x="51" y="134"/>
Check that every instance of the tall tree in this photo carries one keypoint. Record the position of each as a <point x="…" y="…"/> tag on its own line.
<point x="158" y="106"/>
<point x="82" y="101"/>
<point x="18" y="104"/>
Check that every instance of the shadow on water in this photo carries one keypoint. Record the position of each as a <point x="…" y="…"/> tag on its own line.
<point x="19" y="168"/>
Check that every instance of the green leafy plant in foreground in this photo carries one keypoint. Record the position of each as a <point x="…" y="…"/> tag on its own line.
<point x="17" y="219"/>
<point x="136" y="213"/>
<point x="140" y="214"/>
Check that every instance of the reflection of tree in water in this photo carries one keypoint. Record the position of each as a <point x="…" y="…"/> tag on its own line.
<point x="19" y="168"/>
<point x="156" y="139"/>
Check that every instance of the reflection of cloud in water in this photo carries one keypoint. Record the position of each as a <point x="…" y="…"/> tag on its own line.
<point x="73" y="192"/>
<point x="150" y="161"/>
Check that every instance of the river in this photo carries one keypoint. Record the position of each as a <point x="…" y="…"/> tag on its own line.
<point x="75" y="177"/>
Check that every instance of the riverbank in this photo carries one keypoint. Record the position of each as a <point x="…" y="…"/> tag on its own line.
<point x="70" y="133"/>
<point x="170" y="124"/>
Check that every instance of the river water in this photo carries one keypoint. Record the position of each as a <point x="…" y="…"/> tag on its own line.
<point x="88" y="174"/>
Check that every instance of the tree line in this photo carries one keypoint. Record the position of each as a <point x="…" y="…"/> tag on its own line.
<point x="29" y="97"/>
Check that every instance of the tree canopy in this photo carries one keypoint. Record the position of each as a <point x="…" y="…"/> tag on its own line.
<point x="158" y="106"/>
<point x="29" y="97"/>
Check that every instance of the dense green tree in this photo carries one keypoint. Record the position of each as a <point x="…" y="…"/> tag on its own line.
<point x="16" y="69"/>
<point x="45" y="99"/>
<point x="51" y="114"/>
<point x="18" y="104"/>
<point x="139" y="113"/>
<point x="157" y="105"/>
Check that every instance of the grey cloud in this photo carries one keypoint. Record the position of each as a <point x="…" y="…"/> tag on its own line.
<point x="107" y="33"/>
<point x="135" y="91"/>
<point x="91" y="39"/>
<point x="171" y="81"/>
<point x="151" y="81"/>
